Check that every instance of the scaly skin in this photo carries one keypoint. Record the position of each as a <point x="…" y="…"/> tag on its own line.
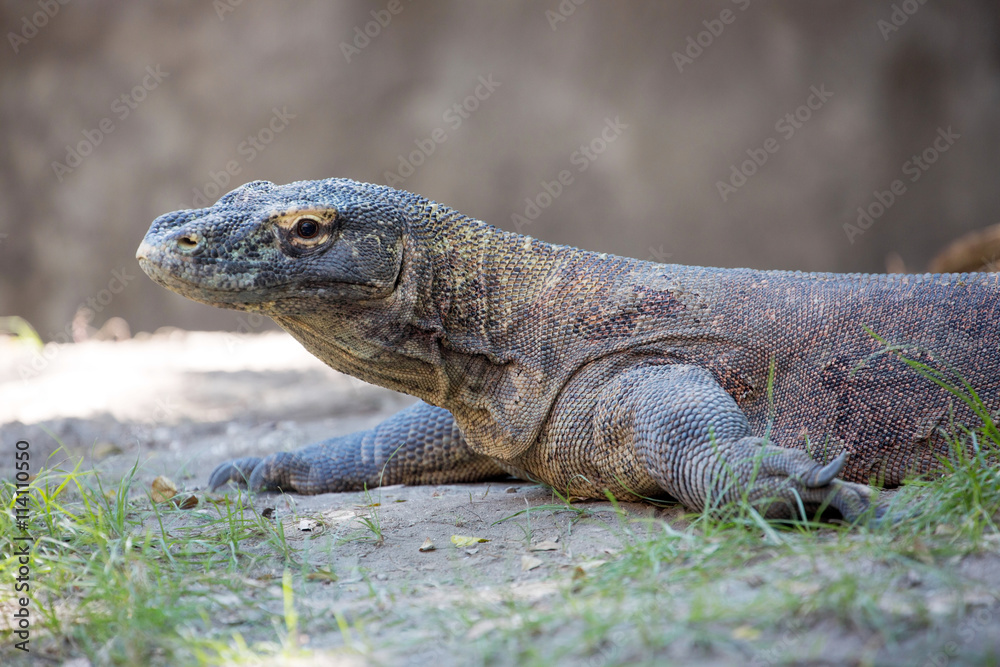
<point x="587" y="372"/>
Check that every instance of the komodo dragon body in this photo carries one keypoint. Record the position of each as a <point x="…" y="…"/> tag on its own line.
<point x="588" y="372"/>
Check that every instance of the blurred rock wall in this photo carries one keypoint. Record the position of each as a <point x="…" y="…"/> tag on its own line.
<point x="729" y="133"/>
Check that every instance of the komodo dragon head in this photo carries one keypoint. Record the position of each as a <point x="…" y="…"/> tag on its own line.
<point x="351" y="270"/>
<point x="281" y="249"/>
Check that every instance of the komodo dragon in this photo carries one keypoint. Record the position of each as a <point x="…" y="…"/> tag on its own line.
<point x="588" y="372"/>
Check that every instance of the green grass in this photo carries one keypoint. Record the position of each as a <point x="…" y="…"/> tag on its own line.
<point x="126" y="581"/>
<point x="371" y="520"/>
<point x="21" y="330"/>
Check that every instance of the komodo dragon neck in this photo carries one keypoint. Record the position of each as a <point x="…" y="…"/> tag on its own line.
<point x="469" y="311"/>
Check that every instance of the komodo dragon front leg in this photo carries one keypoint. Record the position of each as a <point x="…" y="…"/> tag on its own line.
<point x="696" y="444"/>
<point x="419" y="445"/>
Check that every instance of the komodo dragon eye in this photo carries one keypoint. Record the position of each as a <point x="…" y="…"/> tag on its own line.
<point x="307" y="228"/>
<point x="305" y="232"/>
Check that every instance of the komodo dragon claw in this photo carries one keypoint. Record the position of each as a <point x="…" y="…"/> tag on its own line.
<point x="237" y="470"/>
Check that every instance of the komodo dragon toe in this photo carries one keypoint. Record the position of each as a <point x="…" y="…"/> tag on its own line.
<point x="236" y="470"/>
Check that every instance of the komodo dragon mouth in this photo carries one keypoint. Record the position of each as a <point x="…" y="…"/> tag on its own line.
<point x="212" y="288"/>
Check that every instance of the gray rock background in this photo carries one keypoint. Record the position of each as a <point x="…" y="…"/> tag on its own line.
<point x="68" y="239"/>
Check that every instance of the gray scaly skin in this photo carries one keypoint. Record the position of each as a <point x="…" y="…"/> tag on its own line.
<point x="585" y="371"/>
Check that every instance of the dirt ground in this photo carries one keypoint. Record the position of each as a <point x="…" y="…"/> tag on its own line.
<point x="179" y="403"/>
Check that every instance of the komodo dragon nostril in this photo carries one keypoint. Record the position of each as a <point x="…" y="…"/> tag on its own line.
<point x="189" y="243"/>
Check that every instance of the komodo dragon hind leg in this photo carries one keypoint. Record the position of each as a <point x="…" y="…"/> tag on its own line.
<point x="419" y="445"/>
<point x="696" y="444"/>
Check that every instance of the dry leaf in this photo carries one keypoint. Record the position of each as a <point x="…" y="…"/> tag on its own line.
<point x="896" y="605"/>
<point x="544" y="545"/>
<point x="103" y="450"/>
<point x="322" y="574"/>
<point x="921" y="552"/>
<point x="186" y="503"/>
<point x="466" y="541"/>
<point x="481" y="628"/>
<point x="308" y="524"/>
<point x="530" y="563"/>
<point x="746" y="632"/>
<point x="163" y="489"/>
<point x="427" y="545"/>
<point x="803" y="589"/>
<point x="582" y="569"/>
<point x="943" y="604"/>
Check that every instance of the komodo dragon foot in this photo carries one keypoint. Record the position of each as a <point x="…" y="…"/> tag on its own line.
<point x="696" y="444"/>
<point x="419" y="445"/>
